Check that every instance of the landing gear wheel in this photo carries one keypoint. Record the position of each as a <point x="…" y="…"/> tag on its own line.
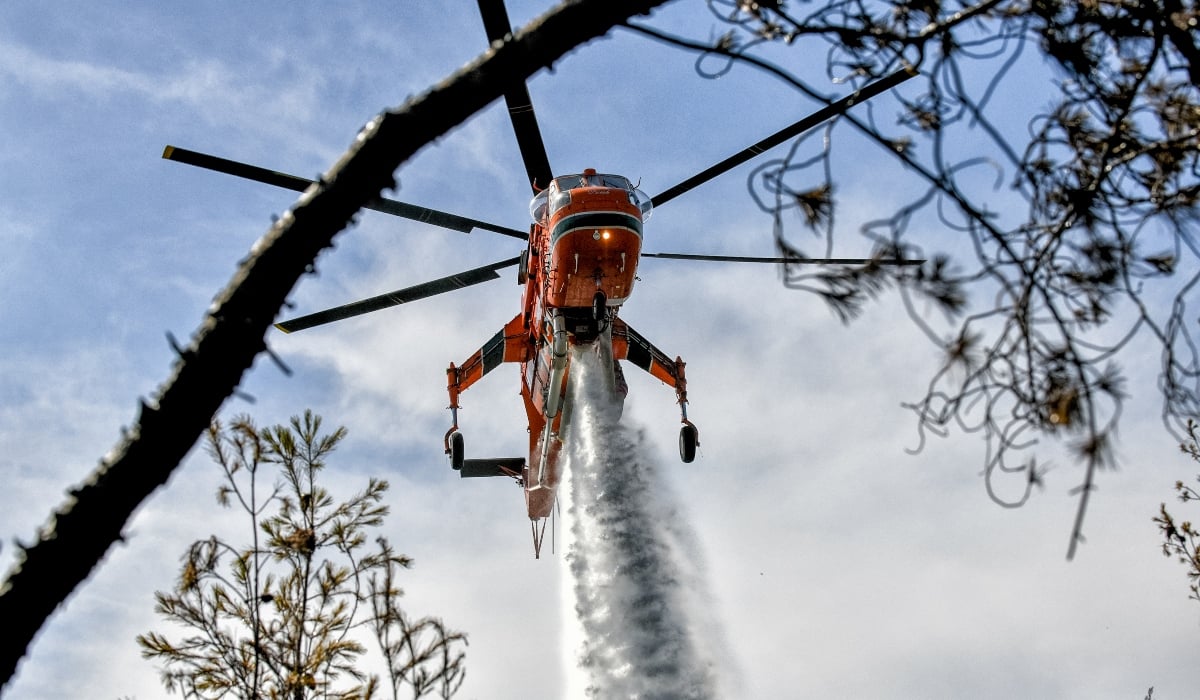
<point x="688" y="439"/>
<point x="599" y="306"/>
<point x="457" y="450"/>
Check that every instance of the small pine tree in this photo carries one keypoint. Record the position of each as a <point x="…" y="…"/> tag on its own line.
<point x="1180" y="538"/>
<point x="285" y="615"/>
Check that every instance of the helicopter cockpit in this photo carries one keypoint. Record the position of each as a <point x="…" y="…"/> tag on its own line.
<point x="558" y="194"/>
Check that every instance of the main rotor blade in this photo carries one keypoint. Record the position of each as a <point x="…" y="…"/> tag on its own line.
<point x="520" y="106"/>
<point x="827" y="112"/>
<point x="299" y="184"/>
<point x="400" y="296"/>
<point x="793" y="261"/>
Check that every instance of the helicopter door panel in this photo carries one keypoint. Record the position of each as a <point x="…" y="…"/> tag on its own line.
<point x="540" y="377"/>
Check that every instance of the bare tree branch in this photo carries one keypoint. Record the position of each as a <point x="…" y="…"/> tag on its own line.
<point x="1073" y="259"/>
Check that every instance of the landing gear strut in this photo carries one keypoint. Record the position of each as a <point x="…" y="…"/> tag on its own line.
<point x="689" y="435"/>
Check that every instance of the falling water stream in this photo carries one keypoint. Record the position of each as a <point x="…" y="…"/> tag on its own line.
<point x="639" y="595"/>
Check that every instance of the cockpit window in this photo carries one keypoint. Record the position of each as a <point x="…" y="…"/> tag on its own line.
<point x="614" y="181"/>
<point x="567" y="182"/>
<point x="537" y="207"/>
<point x="558" y="194"/>
<point x="571" y="182"/>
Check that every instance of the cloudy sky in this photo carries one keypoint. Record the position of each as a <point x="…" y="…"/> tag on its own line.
<point x="837" y="563"/>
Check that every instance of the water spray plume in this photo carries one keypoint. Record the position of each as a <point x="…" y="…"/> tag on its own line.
<point x="638" y="592"/>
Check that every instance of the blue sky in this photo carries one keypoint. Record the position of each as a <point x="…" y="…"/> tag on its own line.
<point x="838" y="565"/>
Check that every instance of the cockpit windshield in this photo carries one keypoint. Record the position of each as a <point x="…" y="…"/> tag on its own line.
<point x="558" y="194"/>
<point x="590" y="179"/>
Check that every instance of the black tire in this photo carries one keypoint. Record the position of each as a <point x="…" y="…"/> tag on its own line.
<point x="457" y="450"/>
<point x="599" y="306"/>
<point x="688" y="439"/>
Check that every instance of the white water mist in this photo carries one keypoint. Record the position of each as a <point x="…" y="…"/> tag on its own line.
<point x="643" y="624"/>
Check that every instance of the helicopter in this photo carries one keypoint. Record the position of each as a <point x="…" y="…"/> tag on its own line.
<point x="577" y="269"/>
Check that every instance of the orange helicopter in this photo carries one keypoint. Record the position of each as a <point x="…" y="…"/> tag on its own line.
<point x="577" y="270"/>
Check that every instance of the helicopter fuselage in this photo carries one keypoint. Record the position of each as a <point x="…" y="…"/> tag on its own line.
<point x="590" y="238"/>
<point x="579" y="268"/>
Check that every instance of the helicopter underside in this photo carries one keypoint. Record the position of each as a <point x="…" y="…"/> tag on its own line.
<point x="543" y="471"/>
